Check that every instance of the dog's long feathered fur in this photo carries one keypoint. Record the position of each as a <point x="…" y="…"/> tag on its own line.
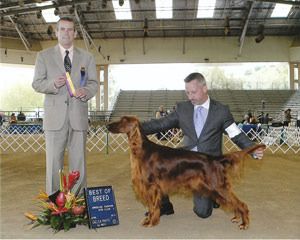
<point x="158" y="170"/>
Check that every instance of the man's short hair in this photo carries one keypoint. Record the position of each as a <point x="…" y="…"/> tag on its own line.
<point x="195" y="76"/>
<point x="66" y="18"/>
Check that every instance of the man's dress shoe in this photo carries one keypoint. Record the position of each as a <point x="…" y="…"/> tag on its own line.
<point x="166" y="209"/>
<point x="216" y="205"/>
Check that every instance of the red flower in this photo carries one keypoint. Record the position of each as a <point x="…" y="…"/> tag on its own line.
<point x="78" y="210"/>
<point x="73" y="178"/>
<point x="59" y="211"/>
<point x="60" y="200"/>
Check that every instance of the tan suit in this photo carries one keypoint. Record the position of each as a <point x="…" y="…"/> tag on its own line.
<point x="65" y="118"/>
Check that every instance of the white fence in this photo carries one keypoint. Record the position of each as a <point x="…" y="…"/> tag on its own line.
<point x="31" y="139"/>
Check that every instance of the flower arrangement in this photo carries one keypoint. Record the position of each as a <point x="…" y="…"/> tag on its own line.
<point x="61" y="210"/>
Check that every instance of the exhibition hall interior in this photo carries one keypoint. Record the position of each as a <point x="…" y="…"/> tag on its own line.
<point x="100" y="107"/>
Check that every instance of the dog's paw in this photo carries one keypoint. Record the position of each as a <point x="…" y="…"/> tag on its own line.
<point x="235" y="219"/>
<point x="146" y="222"/>
<point x="150" y="222"/>
<point x="243" y="226"/>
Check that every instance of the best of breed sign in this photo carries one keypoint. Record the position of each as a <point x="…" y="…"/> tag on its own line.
<point x="101" y="206"/>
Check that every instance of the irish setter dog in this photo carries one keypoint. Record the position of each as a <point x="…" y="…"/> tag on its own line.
<point x="157" y="170"/>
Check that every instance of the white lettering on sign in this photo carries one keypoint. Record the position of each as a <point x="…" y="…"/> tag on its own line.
<point x="95" y="192"/>
<point x="100" y="198"/>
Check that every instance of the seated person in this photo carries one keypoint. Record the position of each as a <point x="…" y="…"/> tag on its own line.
<point x="13" y="118"/>
<point x="21" y="116"/>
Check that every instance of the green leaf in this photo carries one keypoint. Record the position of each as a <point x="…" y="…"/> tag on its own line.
<point x="41" y="221"/>
<point x="35" y="225"/>
<point x="55" y="222"/>
<point x="67" y="225"/>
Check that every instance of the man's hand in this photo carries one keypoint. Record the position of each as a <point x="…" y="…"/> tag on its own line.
<point x="60" y="81"/>
<point x="259" y="153"/>
<point x="80" y="93"/>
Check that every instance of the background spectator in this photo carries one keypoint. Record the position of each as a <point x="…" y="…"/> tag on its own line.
<point x="287" y="117"/>
<point x="13" y="118"/>
<point x="21" y="116"/>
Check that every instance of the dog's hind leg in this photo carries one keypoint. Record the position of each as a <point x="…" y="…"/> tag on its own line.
<point x="153" y="201"/>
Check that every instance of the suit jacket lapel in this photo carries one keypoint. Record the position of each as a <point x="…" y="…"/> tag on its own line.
<point x="210" y="115"/>
<point x="75" y="63"/>
<point x="190" y="119"/>
<point x="58" y="58"/>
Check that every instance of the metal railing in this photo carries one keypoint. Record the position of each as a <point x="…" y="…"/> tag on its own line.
<point x="31" y="139"/>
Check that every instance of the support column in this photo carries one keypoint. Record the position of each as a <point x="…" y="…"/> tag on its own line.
<point x="294" y="75"/>
<point x="102" y="94"/>
<point x="98" y="68"/>
<point x="105" y="86"/>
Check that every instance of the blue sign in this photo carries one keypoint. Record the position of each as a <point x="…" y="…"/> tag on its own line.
<point x="101" y="206"/>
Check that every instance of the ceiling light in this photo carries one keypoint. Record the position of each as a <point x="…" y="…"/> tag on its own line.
<point x="56" y="11"/>
<point x="71" y="10"/>
<point x="88" y="6"/>
<point x="261" y="34"/>
<point x="50" y="30"/>
<point x="146" y="27"/>
<point x="104" y="3"/>
<point x="259" y="38"/>
<point x="39" y="14"/>
<point x="227" y="26"/>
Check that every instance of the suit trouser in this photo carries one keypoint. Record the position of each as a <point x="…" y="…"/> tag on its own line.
<point x="203" y="206"/>
<point x="56" y="143"/>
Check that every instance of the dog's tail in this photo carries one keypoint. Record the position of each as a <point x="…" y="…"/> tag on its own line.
<point x="233" y="160"/>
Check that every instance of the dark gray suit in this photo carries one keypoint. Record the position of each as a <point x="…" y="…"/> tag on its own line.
<point x="218" y="119"/>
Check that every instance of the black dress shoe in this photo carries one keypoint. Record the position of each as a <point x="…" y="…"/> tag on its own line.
<point x="166" y="209"/>
<point x="216" y="205"/>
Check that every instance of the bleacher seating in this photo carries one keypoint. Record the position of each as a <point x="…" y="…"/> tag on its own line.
<point x="294" y="104"/>
<point x="145" y="103"/>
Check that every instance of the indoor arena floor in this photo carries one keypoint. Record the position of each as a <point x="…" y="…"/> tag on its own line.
<point x="270" y="187"/>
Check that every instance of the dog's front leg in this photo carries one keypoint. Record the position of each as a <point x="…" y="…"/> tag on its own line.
<point x="153" y="201"/>
<point x="239" y="208"/>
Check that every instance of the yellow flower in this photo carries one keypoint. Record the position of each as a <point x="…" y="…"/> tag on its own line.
<point x="78" y="200"/>
<point x="30" y="216"/>
<point x="42" y="196"/>
<point x="70" y="200"/>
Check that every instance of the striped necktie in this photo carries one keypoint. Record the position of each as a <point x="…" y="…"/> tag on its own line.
<point x="200" y="115"/>
<point x="67" y="62"/>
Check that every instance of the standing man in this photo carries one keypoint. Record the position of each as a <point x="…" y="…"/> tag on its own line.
<point x="203" y="122"/>
<point x="65" y="117"/>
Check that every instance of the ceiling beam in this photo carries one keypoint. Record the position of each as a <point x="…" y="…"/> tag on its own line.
<point x="14" y="8"/>
<point x="23" y="38"/>
<point x="36" y="8"/>
<point x="86" y="36"/>
<point x="242" y="38"/>
<point x="290" y="2"/>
